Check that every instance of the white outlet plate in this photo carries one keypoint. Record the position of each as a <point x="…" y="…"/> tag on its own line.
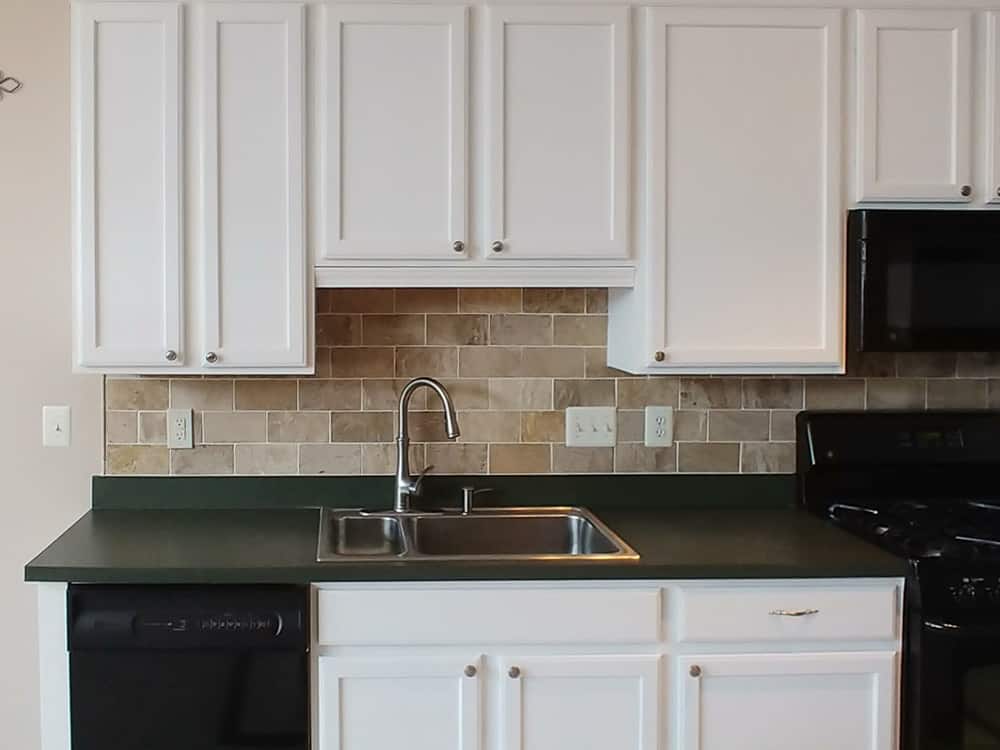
<point x="659" y="426"/>
<point x="56" y="427"/>
<point x="179" y="428"/>
<point x="591" y="426"/>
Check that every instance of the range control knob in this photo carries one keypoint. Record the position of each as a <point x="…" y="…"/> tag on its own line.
<point x="965" y="594"/>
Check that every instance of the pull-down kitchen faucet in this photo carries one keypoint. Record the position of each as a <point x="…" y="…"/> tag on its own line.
<point x="406" y="485"/>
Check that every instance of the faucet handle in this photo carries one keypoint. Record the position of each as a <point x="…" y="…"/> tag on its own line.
<point x="469" y="495"/>
<point x="418" y="483"/>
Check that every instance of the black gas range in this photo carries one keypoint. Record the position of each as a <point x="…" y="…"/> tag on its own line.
<point x="924" y="486"/>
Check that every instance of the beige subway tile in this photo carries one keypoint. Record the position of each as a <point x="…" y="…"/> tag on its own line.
<point x="383" y="395"/>
<point x="772" y="393"/>
<point x="522" y="458"/>
<point x="596" y="365"/>
<point x="543" y="426"/>
<point x="457" y="458"/>
<point x="631" y="426"/>
<point x="380" y="458"/>
<point x="322" y="363"/>
<point x="871" y="365"/>
<point x="322" y="300"/>
<point x="428" y="427"/>
<point x="489" y="300"/>
<point x="691" y="425"/>
<point x="203" y="459"/>
<point x="768" y="458"/>
<point x="734" y="425"/>
<point x="710" y="393"/>
<point x="553" y="362"/>
<point x="583" y="393"/>
<point x="597" y="301"/>
<point x="522" y="330"/>
<point x="783" y="424"/>
<point x="329" y="395"/>
<point x="393" y="330"/>
<point x="338" y="330"/>
<point x="520" y="393"/>
<point x="216" y="395"/>
<point x="259" y="395"/>
<point x="427" y="300"/>
<point x="466" y="393"/>
<point x="362" y="427"/>
<point x="361" y="300"/>
<point x="460" y="330"/>
<point x="835" y="393"/>
<point x="234" y="427"/>
<point x="926" y="364"/>
<point x="490" y="426"/>
<point x="153" y="428"/>
<point x="638" y="393"/>
<point x="575" y="460"/>
<point x="339" y="459"/>
<point x="489" y="361"/>
<point x="135" y="394"/>
<point x="957" y="394"/>
<point x="427" y="361"/>
<point x="708" y="458"/>
<point x="636" y="457"/>
<point x="267" y="459"/>
<point x="897" y="393"/>
<point x="580" y="330"/>
<point x="993" y="394"/>
<point x="298" y="427"/>
<point x="362" y="362"/>
<point x="122" y="427"/>
<point x="554" y="300"/>
<point x="979" y="364"/>
<point x="137" y="459"/>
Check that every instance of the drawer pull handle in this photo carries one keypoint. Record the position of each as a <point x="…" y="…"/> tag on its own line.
<point x="793" y="612"/>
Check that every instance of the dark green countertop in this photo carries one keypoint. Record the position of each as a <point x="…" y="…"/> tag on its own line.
<point x="267" y="545"/>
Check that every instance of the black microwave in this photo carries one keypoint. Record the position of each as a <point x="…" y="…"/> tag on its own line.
<point x="923" y="280"/>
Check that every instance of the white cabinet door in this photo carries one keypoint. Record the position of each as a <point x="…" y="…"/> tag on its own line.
<point x="395" y="132"/>
<point x="559" y="128"/>
<point x="787" y="701"/>
<point x="992" y="186"/>
<point x="254" y="254"/>
<point x="127" y="184"/>
<point x="914" y="105"/>
<point x="393" y="702"/>
<point x="744" y="206"/>
<point x="577" y="702"/>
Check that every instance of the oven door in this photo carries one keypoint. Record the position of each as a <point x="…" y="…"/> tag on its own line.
<point x="957" y="687"/>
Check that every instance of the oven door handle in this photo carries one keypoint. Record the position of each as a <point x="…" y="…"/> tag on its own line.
<point x="963" y="631"/>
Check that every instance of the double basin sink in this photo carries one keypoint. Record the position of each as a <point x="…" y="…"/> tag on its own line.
<point x="544" y="533"/>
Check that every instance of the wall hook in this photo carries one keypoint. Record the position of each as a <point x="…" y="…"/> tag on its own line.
<point x="8" y="85"/>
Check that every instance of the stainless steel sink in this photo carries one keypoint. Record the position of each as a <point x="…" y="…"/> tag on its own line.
<point x="488" y="534"/>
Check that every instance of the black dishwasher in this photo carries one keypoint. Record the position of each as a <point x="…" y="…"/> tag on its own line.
<point x="188" y="667"/>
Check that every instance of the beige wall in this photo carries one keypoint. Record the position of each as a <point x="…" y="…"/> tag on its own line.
<point x="43" y="490"/>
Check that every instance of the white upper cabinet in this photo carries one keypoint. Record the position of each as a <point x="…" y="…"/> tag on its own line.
<point x="395" y="145"/>
<point x="991" y="189"/>
<point x="127" y="185"/>
<point x="914" y="129"/>
<point x="742" y="264"/>
<point x="255" y="261"/>
<point x="558" y="143"/>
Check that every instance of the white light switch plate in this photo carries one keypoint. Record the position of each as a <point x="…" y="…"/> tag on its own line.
<point x="56" y="426"/>
<point x="591" y="426"/>
<point x="659" y="426"/>
<point x="179" y="428"/>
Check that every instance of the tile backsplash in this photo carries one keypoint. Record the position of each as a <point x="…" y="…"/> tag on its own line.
<point x="513" y="361"/>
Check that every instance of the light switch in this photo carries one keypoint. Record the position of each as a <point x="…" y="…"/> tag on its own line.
<point x="56" y="426"/>
<point x="591" y="426"/>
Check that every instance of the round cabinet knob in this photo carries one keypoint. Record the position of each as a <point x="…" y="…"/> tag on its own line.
<point x="497" y="247"/>
<point x="695" y="671"/>
<point x="211" y="358"/>
<point x="170" y="356"/>
<point x="966" y="190"/>
<point x="514" y="672"/>
<point x="998" y="191"/>
<point x="470" y="671"/>
<point x="458" y="246"/>
<point x="660" y="356"/>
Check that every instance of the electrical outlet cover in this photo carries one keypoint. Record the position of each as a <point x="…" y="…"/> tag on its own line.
<point x="659" y="426"/>
<point x="591" y="426"/>
<point x="179" y="428"/>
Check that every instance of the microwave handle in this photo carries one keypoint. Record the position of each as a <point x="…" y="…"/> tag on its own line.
<point x="962" y="631"/>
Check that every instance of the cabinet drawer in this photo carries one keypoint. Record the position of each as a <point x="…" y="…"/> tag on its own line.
<point x="804" y="613"/>
<point x="487" y="615"/>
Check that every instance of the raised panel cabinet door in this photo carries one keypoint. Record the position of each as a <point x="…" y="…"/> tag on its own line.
<point x="254" y="263"/>
<point x="744" y="213"/>
<point x="914" y="129"/>
<point x="396" y="702"/>
<point x="396" y="131"/>
<point x="992" y="186"/>
<point x="558" y="122"/>
<point x="127" y="185"/>
<point x="821" y="701"/>
<point x="580" y="702"/>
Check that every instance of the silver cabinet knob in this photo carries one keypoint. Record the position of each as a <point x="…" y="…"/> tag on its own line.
<point x="660" y="356"/>
<point x="470" y="671"/>
<point x="458" y="246"/>
<point x="695" y="671"/>
<point x="998" y="191"/>
<point x="497" y="247"/>
<point x="514" y="672"/>
<point x="211" y="358"/>
<point x="170" y="356"/>
<point x="966" y="190"/>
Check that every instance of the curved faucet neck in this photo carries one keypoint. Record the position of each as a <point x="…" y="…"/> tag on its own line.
<point x="406" y="485"/>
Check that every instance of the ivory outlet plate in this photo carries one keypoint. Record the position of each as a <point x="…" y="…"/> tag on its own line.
<point x="659" y="426"/>
<point x="179" y="428"/>
<point x="591" y="426"/>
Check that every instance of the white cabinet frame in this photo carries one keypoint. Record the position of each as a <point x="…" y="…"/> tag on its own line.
<point x="992" y="186"/>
